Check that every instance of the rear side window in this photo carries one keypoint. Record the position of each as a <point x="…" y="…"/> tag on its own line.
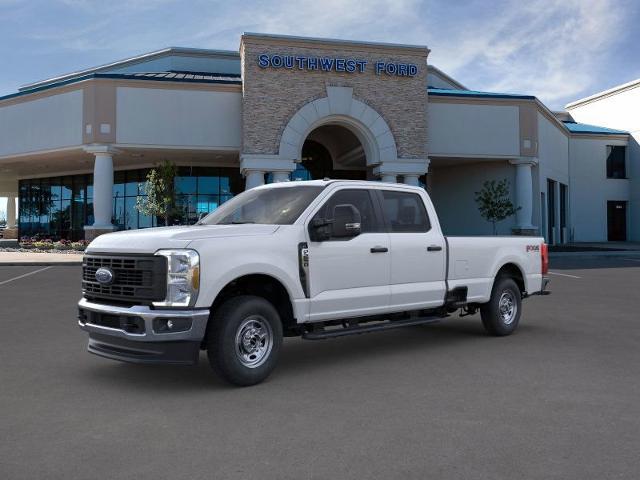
<point x="405" y="212"/>
<point x="361" y="199"/>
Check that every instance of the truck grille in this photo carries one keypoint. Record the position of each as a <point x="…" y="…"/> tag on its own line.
<point x="136" y="278"/>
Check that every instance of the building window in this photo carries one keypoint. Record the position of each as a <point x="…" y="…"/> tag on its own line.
<point x="616" y="161"/>
<point x="60" y="207"/>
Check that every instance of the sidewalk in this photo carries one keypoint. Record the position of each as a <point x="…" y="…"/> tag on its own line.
<point x="609" y="249"/>
<point x="37" y="259"/>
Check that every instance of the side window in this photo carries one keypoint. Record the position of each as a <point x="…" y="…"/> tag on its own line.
<point x="405" y="212"/>
<point x="361" y="199"/>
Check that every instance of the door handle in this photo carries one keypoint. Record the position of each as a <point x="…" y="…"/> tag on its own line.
<point x="379" y="250"/>
<point x="434" y="248"/>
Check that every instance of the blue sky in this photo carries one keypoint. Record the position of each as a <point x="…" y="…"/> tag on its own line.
<point x="558" y="50"/>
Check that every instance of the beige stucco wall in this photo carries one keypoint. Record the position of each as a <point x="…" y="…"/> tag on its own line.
<point x="272" y="96"/>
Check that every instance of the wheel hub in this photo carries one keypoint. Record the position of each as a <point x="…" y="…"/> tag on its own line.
<point x="254" y="341"/>
<point x="507" y="307"/>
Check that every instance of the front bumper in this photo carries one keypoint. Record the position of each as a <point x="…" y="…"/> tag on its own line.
<point x="140" y="334"/>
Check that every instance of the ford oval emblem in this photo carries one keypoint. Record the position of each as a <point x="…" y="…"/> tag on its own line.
<point x="104" y="275"/>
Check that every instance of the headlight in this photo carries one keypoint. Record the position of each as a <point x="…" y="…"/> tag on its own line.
<point x="183" y="278"/>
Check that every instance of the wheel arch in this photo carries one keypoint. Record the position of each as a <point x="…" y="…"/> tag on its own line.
<point x="514" y="271"/>
<point x="261" y="285"/>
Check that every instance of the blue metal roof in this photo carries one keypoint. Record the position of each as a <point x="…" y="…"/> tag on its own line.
<point x="188" y="77"/>
<point x="575" y="127"/>
<point x="445" y="92"/>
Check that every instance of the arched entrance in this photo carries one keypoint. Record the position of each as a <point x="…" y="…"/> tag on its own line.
<point x="333" y="151"/>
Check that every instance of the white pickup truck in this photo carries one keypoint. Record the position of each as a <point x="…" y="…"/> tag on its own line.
<point x="316" y="259"/>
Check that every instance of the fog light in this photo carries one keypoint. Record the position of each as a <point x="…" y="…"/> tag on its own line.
<point x="170" y="325"/>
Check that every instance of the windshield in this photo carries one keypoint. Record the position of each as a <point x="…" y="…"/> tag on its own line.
<point x="272" y="206"/>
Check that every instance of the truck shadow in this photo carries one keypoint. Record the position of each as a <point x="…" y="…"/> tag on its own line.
<point x="303" y="357"/>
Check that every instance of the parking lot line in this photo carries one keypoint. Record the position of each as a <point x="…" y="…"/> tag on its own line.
<point x="564" y="275"/>
<point x="24" y="275"/>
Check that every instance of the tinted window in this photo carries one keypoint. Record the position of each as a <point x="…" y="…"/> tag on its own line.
<point x="273" y="206"/>
<point x="405" y="212"/>
<point x="616" y="167"/>
<point x="361" y="199"/>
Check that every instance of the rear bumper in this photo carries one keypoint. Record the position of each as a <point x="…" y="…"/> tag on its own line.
<point x="140" y="334"/>
<point x="544" y="288"/>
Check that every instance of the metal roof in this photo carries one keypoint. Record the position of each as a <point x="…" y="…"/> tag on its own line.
<point x="445" y="92"/>
<point x="575" y="127"/>
<point x="186" y="77"/>
<point x="131" y="61"/>
<point x="176" y="75"/>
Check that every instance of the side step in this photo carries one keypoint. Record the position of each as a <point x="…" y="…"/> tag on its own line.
<point x="358" y="329"/>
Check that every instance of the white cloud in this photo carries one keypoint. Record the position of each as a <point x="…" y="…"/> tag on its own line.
<point x="554" y="49"/>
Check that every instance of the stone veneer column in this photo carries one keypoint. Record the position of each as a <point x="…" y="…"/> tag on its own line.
<point x="524" y="195"/>
<point x="102" y="190"/>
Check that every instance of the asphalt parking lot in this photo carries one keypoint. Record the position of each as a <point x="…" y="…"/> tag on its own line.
<point x="559" y="399"/>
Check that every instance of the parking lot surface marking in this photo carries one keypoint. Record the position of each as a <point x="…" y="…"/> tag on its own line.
<point x="564" y="275"/>
<point x="25" y="275"/>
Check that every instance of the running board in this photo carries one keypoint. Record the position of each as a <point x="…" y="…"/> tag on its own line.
<point x="357" y="330"/>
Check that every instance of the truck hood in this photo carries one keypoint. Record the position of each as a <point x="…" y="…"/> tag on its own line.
<point x="149" y="240"/>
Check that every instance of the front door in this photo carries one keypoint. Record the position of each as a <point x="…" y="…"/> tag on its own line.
<point x="617" y="221"/>
<point x="350" y="276"/>
<point x="418" y="252"/>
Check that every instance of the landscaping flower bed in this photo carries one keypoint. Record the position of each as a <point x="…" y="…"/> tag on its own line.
<point x="45" y="245"/>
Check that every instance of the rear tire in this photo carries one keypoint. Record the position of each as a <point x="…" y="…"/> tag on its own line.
<point x="501" y="315"/>
<point x="244" y="340"/>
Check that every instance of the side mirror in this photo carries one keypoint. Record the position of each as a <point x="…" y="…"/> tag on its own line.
<point x="320" y="229"/>
<point x="346" y="221"/>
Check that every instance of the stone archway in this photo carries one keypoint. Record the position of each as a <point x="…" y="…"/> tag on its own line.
<point x="340" y="108"/>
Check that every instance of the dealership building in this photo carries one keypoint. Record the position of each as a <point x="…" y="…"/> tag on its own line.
<point x="74" y="150"/>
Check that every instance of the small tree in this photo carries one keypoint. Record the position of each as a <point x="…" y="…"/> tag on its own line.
<point x="494" y="203"/>
<point x="160" y="199"/>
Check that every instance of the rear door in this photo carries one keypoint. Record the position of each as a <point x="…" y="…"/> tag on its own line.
<point x="350" y="276"/>
<point x="417" y="252"/>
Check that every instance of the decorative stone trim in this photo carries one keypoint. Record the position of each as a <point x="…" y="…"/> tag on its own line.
<point x="339" y="106"/>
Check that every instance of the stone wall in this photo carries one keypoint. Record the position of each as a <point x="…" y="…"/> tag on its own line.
<point x="271" y="96"/>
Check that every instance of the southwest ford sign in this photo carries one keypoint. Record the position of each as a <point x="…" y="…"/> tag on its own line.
<point x="335" y="64"/>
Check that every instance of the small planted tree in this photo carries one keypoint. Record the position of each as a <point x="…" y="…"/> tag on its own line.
<point x="160" y="199"/>
<point x="494" y="203"/>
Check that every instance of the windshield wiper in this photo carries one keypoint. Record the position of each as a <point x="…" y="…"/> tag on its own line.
<point x="235" y="222"/>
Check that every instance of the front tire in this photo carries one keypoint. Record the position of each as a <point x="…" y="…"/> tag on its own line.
<point x="244" y="340"/>
<point x="501" y="315"/>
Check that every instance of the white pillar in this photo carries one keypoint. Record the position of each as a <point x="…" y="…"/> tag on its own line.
<point x="524" y="192"/>
<point x="254" y="178"/>
<point x="280" y="176"/>
<point x="11" y="212"/>
<point x="413" y="180"/>
<point x="102" y="189"/>
<point x="389" y="178"/>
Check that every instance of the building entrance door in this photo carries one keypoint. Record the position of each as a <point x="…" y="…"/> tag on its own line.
<point x="617" y="221"/>
<point x="333" y="151"/>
